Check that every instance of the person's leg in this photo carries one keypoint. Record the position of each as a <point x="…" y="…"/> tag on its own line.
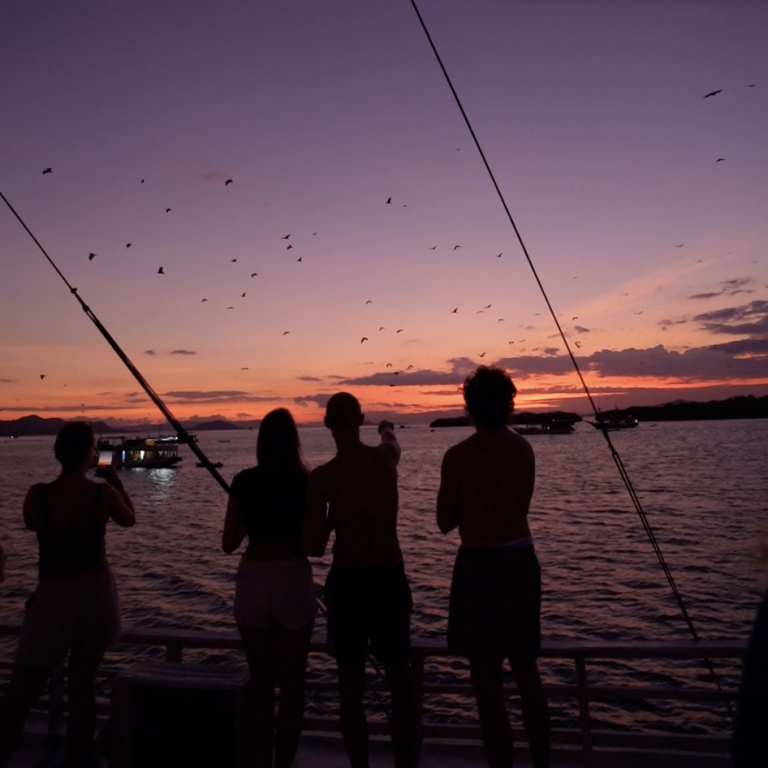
<point x="23" y="691"/>
<point x="405" y="719"/>
<point x="260" y="715"/>
<point x="82" y="708"/>
<point x="291" y="651"/>
<point x="535" y="712"/>
<point x="353" y="724"/>
<point x="487" y="681"/>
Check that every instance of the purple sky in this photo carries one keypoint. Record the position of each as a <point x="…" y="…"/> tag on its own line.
<point x="591" y="114"/>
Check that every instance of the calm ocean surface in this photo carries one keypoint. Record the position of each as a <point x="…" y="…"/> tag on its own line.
<point x="704" y="486"/>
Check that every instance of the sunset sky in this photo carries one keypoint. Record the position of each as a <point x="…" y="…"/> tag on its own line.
<point x="593" y="119"/>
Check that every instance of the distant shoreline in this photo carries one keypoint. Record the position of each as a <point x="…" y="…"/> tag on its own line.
<point x="740" y="407"/>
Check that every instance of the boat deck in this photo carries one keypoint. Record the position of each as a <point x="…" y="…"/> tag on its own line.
<point x="452" y="745"/>
<point x="322" y="751"/>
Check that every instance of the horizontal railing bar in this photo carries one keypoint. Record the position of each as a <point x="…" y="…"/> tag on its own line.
<point x="427" y="647"/>
<point x="561" y="736"/>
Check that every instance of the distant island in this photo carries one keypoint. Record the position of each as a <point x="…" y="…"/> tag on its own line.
<point x="524" y="417"/>
<point x="740" y="407"/>
<point x="31" y="426"/>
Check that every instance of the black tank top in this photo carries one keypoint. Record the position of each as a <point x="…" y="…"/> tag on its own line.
<point x="71" y="549"/>
<point x="273" y="502"/>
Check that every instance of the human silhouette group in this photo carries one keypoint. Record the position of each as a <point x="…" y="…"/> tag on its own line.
<point x="288" y="514"/>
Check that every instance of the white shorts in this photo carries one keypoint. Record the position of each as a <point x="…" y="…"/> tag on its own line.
<point x="279" y="592"/>
<point x="77" y="611"/>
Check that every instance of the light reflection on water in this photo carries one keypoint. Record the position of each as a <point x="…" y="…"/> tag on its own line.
<point x="703" y="485"/>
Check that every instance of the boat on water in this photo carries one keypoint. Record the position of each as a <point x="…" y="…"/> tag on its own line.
<point x="548" y="427"/>
<point x="139" y="452"/>
<point x="614" y="422"/>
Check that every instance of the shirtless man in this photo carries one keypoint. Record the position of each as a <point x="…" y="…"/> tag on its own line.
<point x="486" y="486"/>
<point x="355" y="495"/>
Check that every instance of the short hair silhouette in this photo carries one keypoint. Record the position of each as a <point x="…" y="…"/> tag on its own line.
<point x="278" y="441"/>
<point x="73" y="445"/>
<point x="343" y="408"/>
<point x="489" y="396"/>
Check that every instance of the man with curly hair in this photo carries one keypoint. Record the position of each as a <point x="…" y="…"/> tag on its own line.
<point x="486" y="487"/>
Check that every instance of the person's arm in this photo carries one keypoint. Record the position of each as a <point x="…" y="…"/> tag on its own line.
<point x="31" y="504"/>
<point x="118" y="502"/>
<point x="389" y="441"/>
<point x="317" y="530"/>
<point x="448" y="496"/>
<point x="234" y="530"/>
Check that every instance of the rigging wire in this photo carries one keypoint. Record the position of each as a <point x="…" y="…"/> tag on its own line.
<point x="184" y="436"/>
<point x="174" y="422"/>
<point x="614" y="453"/>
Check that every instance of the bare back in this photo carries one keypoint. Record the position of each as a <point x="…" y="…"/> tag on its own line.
<point x="486" y="488"/>
<point x="358" y="488"/>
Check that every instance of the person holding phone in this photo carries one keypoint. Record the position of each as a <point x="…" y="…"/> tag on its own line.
<point x="75" y="608"/>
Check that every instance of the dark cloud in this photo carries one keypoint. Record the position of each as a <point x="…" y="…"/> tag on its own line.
<point x="550" y="350"/>
<point x="728" y="288"/>
<point x="308" y="378"/>
<point x="215" y="396"/>
<point x="748" y="319"/>
<point x="321" y="399"/>
<point x="580" y="329"/>
<point x="183" y="352"/>
<point x="150" y="352"/>
<point x="8" y="381"/>
<point x="66" y="408"/>
<point x="461" y="367"/>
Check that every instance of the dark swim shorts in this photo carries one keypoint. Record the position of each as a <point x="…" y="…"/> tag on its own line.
<point x="495" y="604"/>
<point x="369" y="604"/>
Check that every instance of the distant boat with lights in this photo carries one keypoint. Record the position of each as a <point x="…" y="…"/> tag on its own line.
<point x="140" y="452"/>
<point x="612" y="422"/>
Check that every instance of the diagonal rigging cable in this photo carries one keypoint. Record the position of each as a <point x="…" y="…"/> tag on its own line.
<point x="184" y="436"/>
<point x="157" y="400"/>
<point x="614" y="453"/>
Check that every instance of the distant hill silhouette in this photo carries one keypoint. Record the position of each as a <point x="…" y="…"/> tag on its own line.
<point x="36" y="425"/>
<point x="741" y="407"/>
<point x="28" y="426"/>
<point x="524" y="417"/>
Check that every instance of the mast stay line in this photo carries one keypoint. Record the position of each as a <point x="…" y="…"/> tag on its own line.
<point x="145" y="385"/>
<point x="614" y="453"/>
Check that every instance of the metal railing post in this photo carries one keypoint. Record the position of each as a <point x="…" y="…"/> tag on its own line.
<point x="586" y="729"/>
<point x="55" y="699"/>
<point x="174" y="651"/>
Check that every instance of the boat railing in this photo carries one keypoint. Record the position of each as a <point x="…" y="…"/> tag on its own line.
<point x="580" y="653"/>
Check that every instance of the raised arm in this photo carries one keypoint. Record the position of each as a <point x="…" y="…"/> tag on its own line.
<point x="448" y="496"/>
<point x="317" y="529"/>
<point x="234" y="530"/>
<point x="389" y="441"/>
<point x="116" y="498"/>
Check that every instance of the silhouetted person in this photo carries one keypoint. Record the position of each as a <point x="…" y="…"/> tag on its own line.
<point x="485" y="489"/>
<point x="750" y="740"/>
<point x="275" y="602"/>
<point x="355" y="495"/>
<point x="75" y="607"/>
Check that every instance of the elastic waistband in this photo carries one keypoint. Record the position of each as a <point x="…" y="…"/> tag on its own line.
<point x="522" y="543"/>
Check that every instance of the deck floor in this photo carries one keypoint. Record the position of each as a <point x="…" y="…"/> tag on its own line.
<point x="328" y="752"/>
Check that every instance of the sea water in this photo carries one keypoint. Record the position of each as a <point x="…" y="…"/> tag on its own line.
<point x="703" y="485"/>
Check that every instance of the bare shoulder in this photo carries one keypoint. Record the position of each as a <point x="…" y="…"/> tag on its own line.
<point x="321" y="475"/>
